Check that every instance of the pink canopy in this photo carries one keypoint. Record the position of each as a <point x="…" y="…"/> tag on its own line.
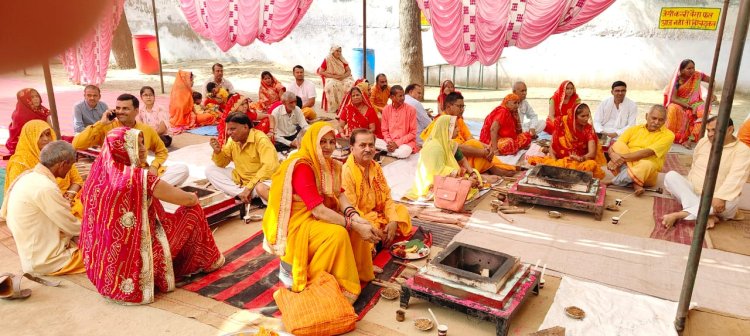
<point x="478" y="30"/>
<point x="86" y="62"/>
<point x="228" y="22"/>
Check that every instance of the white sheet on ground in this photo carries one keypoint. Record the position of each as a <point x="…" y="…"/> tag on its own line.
<point x="609" y="311"/>
<point x="400" y="175"/>
<point x="512" y="159"/>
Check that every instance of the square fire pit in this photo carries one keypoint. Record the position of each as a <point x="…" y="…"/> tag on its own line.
<point x="472" y="266"/>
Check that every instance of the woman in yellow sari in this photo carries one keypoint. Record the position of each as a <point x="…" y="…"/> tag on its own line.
<point x="440" y="156"/>
<point x="575" y="144"/>
<point x="36" y="134"/>
<point x="304" y="224"/>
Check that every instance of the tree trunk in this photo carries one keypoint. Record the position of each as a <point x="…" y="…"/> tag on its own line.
<point x="122" y="45"/>
<point x="412" y="64"/>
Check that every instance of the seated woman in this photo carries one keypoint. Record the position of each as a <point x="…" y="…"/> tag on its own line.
<point x="337" y="79"/>
<point x="684" y="102"/>
<point x="182" y="114"/>
<point x="502" y="128"/>
<point x="269" y="92"/>
<point x="36" y="134"/>
<point x="216" y="98"/>
<point x="575" y="145"/>
<point x="154" y="115"/>
<point x="562" y="103"/>
<point x="440" y="156"/>
<point x="358" y="113"/>
<point x="304" y="224"/>
<point x="132" y="247"/>
<point x="28" y="107"/>
<point x="446" y="88"/>
<point x="240" y="103"/>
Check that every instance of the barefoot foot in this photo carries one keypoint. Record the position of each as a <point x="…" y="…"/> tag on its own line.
<point x="669" y="219"/>
<point x="377" y="270"/>
<point x="712" y="220"/>
<point x="638" y="190"/>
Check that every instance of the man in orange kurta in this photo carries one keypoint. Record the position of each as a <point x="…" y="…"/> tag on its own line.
<point x="380" y="93"/>
<point x="365" y="186"/>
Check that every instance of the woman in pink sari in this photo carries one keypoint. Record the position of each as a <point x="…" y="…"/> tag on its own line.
<point x="131" y="246"/>
<point x="270" y="91"/>
<point x="684" y="102"/>
<point x="29" y="107"/>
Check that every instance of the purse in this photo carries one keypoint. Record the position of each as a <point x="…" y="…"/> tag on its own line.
<point x="450" y="192"/>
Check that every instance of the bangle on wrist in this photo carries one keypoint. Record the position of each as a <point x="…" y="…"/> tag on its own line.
<point x="71" y="192"/>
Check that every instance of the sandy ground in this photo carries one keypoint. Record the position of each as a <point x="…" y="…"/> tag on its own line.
<point x="76" y="309"/>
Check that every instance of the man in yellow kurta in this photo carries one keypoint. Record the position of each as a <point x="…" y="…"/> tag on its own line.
<point x="255" y="160"/>
<point x="124" y="115"/>
<point x="639" y="153"/>
<point x="478" y="154"/>
<point x="734" y="170"/>
<point x="365" y="186"/>
<point x="380" y="93"/>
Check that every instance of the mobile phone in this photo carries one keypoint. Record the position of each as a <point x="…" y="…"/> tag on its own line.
<point x="111" y="115"/>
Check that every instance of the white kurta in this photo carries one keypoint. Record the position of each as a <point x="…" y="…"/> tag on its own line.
<point x="610" y="118"/>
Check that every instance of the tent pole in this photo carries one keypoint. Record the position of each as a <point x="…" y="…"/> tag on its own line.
<point x="51" y="97"/>
<point x="727" y="98"/>
<point x="158" y="45"/>
<point x="364" y="39"/>
<point x="710" y="93"/>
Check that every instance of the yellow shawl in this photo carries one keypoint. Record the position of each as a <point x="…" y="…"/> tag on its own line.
<point x="279" y="223"/>
<point x="436" y="157"/>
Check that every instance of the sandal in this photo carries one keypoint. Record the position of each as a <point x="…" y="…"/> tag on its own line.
<point x="10" y="285"/>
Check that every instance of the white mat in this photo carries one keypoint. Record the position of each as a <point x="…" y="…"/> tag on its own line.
<point x="609" y="311"/>
<point x="400" y="175"/>
<point x="512" y="159"/>
<point x="643" y="265"/>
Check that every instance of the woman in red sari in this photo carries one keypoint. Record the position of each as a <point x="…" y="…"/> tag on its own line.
<point x="131" y="247"/>
<point x="270" y="91"/>
<point x="29" y="107"/>
<point x="575" y="145"/>
<point x="358" y="113"/>
<point x="562" y="103"/>
<point x="240" y="103"/>
<point x="502" y="128"/>
<point x="684" y="102"/>
<point x="445" y="89"/>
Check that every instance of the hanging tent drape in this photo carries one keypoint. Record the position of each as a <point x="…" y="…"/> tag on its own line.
<point x="86" y="62"/>
<point x="230" y="22"/>
<point x="477" y="30"/>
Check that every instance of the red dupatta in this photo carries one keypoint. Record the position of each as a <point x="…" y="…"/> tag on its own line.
<point x="269" y="94"/>
<point x="570" y="139"/>
<point x="354" y="118"/>
<point x="127" y="256"/>
<point x="442" y="95"/>
<point x="558" y="98"/>
<point x="24" y="113"/>
<point x="510" y="123"/>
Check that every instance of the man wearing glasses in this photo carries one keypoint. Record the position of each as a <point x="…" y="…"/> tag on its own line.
<point x="615" y="114"/>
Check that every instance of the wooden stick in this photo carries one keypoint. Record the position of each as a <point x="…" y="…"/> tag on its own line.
<point x="506" y="218"/>
<point x="513" y="211"/>
<point x="405" y="264"/>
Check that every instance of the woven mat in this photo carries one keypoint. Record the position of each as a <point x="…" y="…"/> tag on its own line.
<point x="681" y="232"/>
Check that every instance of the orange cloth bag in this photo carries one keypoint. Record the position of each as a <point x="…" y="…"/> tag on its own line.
<point x="320" y="309"/>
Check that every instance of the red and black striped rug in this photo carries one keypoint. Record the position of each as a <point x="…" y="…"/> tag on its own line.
<point x="251" y="276"/>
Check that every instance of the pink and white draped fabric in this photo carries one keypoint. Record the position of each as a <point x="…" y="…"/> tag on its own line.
<point x="230" y="22"/>
<point x="467" y="31"/>
<point x="86" y="62"/>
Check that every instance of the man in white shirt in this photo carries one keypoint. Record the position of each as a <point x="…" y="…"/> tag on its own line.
<point x="526" y="112"/>
<point x="305" y="91"/>
<point x="39" y="216"/>
<point x="289" y="121"/>
<point x="615" y="114"/>
<point x="218" y="71"/>
<point x="413" y="97"/>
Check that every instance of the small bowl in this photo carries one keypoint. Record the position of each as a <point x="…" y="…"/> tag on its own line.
<point x="255" y="218"/>
<point x="618" y="202"/>
<point x="423" y="323"/>
<point x="575" y="312"/>
<point x="615" y="220"/>
<point x="390" y="293"/>
<point x="554" y="214"/>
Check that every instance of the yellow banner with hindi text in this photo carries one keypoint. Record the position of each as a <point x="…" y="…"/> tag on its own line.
<point x="689" y="18"/>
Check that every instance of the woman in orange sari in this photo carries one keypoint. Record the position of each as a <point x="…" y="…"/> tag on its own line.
<point x="502" y="128"/>
<point x="309" y="219"/>
<point x="562" y="103"/>
<point x="684" y="102"/>
<point x="182" y="114"/>
<point x="446" y="87"/>
<point x="240" y="103"/>
<point x="29" y="107"/>
<point x="270" y="91"/>
<point x="575" y="145"/>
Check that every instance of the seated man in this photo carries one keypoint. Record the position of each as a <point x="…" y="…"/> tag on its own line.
<point x="39" y="216"/>
<point x="399" y="126"/>
<point x="478" y="154"/>
<point x="413" y="97"/>
<point x="380" y="93"/>
<point x="615" y="114"/>
<point x="639" y="153"/>
<point x="289" y="121"/>
<point x="124" y="115"/>
<point x="89" y="110"/>
<point x="734" y="170"/>
<point x="218" y="78"/>
<point x="526" y="112"/>
<point x="305" y="91"/>
<point x="365" y="186"/>
<point x="502" y="128"/>
<point x="254" y="156"/>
